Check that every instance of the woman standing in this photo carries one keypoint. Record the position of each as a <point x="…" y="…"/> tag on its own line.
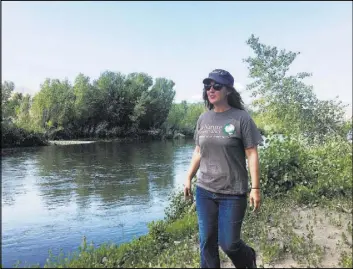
<point x="225" y="136"/>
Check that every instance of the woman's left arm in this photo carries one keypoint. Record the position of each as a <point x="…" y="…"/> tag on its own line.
<point x="251" y="139"/>
<point x="254" y="167"/>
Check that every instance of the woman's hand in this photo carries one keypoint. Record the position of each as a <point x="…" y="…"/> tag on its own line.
<point x="187" y="189"/>
<point x="255" y="199"/>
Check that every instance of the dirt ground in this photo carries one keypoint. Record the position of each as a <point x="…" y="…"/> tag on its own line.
<point x="327" y="229"/>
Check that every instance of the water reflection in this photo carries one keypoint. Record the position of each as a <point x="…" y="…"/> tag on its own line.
<point x="52" y="196"/>
<point x="111" y="171"/>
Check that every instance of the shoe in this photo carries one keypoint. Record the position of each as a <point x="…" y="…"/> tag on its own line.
<point x="253" y="262"/>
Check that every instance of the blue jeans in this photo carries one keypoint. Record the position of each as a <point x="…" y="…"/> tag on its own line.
<point x="220" y="217"/>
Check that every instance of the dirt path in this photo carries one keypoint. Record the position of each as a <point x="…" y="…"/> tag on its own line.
<point x="327" y="234"/>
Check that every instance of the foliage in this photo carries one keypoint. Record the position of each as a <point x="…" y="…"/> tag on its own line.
<point x="7" y="89"/>
<point x="183" y="117"/>
<point x="54" y="104"/>
<point x="284" y="103"/>
<point x="178" y="205"/>
<point x="313" y="156"/>
<point x="12" y="136"/>
<point x="114" y="105"/>
<point x="281" y="165"/>
<point x="313" y="171"/>
<point x="332" y="162"/>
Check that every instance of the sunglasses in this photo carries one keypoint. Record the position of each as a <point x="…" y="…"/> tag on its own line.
<point x="216" y="86"/>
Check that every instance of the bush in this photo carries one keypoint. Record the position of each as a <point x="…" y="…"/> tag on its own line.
<point x="333" y="165"/>
<point x="313" y="171"/>
<point x="281" y="166"/>
<point x="157" y="229"/>
<point x="12" y="136"/>
<point x="178" y="206"/>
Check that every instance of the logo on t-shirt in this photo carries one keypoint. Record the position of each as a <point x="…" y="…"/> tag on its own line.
<point x="229" y="129"/>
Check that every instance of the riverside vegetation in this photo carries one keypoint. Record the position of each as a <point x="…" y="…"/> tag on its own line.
<point x="113" y="106"/>
<point x="306" y="176"/>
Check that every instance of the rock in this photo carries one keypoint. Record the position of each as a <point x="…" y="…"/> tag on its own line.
<point x="104" y="260"/>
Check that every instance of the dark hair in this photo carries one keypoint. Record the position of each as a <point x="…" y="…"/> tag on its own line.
<point x="234" y="99"/>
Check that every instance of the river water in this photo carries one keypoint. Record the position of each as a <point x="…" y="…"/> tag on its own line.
<point x="107" y="191"/>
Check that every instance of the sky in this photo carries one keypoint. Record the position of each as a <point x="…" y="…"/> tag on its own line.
<point x="181" y="41"/>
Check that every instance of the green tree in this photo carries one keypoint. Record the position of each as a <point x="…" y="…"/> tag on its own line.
<point x="284" y="103"/>
<point x="84" y="93"/>
<point x="176" y="115"/>
<point x="23" y="118"/>
<point x="138" y="85"/>
<point x="53" y="105"/>
<point x="111" y="104"/>
<point x="183" y="117"/>
<point x="12" y="106"/>
<point x="7" y="89"/>
<point x="157" y="103"/>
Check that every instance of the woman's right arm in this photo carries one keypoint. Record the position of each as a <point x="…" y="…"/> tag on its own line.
<point x="194" y="166"/>
<point x="195" y="163"/>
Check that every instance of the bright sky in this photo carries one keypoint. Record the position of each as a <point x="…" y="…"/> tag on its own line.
<point x="182" y="41"/>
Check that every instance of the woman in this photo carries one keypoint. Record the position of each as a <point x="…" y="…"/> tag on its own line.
<point x="225" y="136"/>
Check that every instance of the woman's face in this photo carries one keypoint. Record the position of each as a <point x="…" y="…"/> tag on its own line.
<point x="216" y="93"/>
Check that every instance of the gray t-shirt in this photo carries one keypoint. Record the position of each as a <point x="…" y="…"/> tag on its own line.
<point x="223" y="137"/>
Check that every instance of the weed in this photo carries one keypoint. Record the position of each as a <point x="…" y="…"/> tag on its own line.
<point x="346" y="260"/>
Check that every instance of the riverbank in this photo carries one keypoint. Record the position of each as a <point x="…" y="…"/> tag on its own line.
<point x="119" y="139"/>
<point x="304" y="219"/>
<point x="11" y="149"/>
<point x="18" y="138"/>
<point x="284" y="233"/>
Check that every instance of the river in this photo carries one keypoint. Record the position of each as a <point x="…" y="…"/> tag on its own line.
<point x="107" y="191"/>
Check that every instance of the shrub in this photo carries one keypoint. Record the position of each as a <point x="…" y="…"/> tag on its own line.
<point x="178" y="205"/>
<point x="333" y="165"/>
<point x="281" y="166"/>
<point x="312" y="170"/>
<point x="12" y="136"/>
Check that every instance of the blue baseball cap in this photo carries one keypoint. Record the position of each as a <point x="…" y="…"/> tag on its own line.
<point x="220" y="76"/>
